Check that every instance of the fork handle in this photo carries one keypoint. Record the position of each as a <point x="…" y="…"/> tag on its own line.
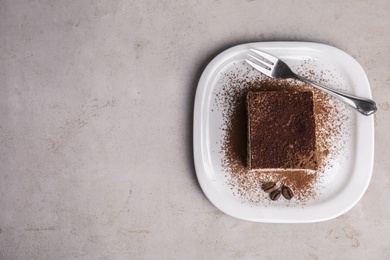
<point x="365" y="106"/>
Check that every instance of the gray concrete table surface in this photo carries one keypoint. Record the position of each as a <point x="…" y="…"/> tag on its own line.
<point x="96" y="103"/>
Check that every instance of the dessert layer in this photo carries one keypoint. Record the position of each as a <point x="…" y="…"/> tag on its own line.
<point x="281" y="130"/>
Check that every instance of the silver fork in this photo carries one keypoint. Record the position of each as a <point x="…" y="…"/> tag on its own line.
<point x="276" y="68"/>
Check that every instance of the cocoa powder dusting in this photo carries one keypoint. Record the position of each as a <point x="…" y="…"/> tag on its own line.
<point x="246" y="184"/>
<point x="282" y="130"/>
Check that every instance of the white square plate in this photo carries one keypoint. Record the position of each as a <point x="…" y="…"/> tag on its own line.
<point x="351" y="174"/>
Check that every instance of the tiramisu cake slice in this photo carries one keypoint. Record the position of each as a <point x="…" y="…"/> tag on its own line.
<point x="281" y="130"/>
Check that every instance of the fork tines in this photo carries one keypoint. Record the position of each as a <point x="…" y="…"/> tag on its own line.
<point x="267" y="57"/>
<point x="265" y="61"/>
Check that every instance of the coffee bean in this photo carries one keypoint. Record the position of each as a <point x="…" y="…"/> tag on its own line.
<point x="275" y="194"/>
<point x="287" y="192"/>
<point x="269" y="186"/>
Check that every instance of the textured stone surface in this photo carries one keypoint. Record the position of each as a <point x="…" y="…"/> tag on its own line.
<point x="96" y="102"/>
